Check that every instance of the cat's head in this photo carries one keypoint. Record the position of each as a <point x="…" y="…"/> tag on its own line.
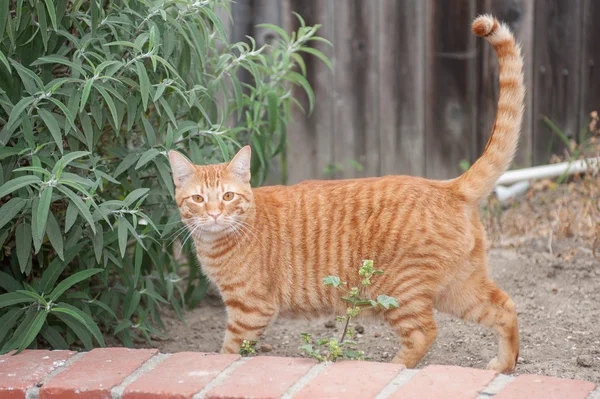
<point x="213" y="198"/>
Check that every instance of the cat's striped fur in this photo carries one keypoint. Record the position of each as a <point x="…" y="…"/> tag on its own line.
<point x="268" y="249"/>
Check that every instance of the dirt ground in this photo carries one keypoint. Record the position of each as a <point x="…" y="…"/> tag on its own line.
<point x="541" y="256"/>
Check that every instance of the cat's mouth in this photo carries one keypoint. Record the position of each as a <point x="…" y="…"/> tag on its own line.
<point x="214" y="226"/>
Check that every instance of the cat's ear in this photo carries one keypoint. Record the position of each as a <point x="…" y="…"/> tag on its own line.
<point x="181" y="167"/>
<point x="239" y="166"/>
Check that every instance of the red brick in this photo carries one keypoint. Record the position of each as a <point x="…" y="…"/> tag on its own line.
<point x="28" y="368"/>
<point x="180" y="376"/>
<point x="262" y="377"/>
<point x="350" y="379"/>
<point x="443" y="382"/>
<point x="96" y="373"/>
<point x="535" y="386"/>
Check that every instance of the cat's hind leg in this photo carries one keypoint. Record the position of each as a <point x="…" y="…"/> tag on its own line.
<point x="478" y="299"/>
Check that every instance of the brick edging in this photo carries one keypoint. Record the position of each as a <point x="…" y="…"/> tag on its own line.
<point x="144" y="373"/>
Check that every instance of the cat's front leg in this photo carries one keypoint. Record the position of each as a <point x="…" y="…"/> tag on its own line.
<point x="245" y="321"/>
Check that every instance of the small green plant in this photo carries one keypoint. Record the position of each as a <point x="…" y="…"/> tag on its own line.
<point x="333" y="349"/>
<point x="248" y="347"/>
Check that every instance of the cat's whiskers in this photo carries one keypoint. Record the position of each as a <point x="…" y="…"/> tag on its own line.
<point x="196" y="225"/>
<point x="181" y="230"/>
<point x="245" y="228"/>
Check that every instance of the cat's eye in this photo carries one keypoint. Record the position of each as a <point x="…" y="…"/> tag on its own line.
<point x="198" y="198"/>
<point x="228" y="196"/>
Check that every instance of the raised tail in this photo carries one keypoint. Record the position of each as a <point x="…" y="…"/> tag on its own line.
<point x="479" y="181"/>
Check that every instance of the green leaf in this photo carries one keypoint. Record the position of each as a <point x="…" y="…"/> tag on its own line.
<point x="4" y="60"/>
<point x="139" y="256"/>
<point x="55" y="59"/>
<point x="75" y="324"/>
<point x="144" y="83"/>
<point x="31" y="293"/>
<point x="11" y="209"/>
<point x="98" y="242"/>
<point x="56" y="267"/>
<point x="132" y="104"/>
<point x="55" y="236"/>
<point x="32" y="330"/>
<point x="300" y="80"/>
<point x="53" y="337"/>
<point x="30" y="80"/>
<point x="132" y="304"/>
<point x="83" y="209"/>
<point x="122" y="326"/>
<point x="34" y="169"/>
<point x="147" y="157"/>
<point x="53" y="126"/>
<point x="18" y="109"/>
<point x="14" y="298"/>
<point x="42" y="23"/>
<point x="13" y="342"/>
<point x="87" y="322"/>
<point x="275" y="28"/>
<point x="272" y="102"/>
<point x="318" y="54"/>
<point x="135" y="195"/>
<point x="111" y="105"/>
<point x="387" y="301"/>
<point x="105" y="307"/>
<point x="88" y="129"/>
<point x="122" y="230"/>
<point x="17" y="183"/>
<point x="125" y="164"/>
<point x="37" y="237"/>
<point x="23" y="242"/>
<point x="8" y="283"/>
<point x="68" y="158"/>
<point x="71" y="281"/>
<point x="71" y="216"/>
<point x="9" y="320"/>
<point x="165" y="176"/>
<point x="42" y="212"/>
<point x="52" y="13"/>
<point x="333" y="281"/>
<point x="4" y="15"/>
<point x="86" y="93"/>
<point x="95" y="16"/>
<point x="150" y="133"/>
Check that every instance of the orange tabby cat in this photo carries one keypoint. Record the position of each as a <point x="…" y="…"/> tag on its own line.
<point x="268" y="249"/>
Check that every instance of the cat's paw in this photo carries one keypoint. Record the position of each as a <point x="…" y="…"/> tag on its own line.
<point x="501" y="367"/>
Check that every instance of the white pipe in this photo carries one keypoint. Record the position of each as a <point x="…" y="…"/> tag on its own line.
<point x="504" y="193"/>
<point x="544" y="171"/>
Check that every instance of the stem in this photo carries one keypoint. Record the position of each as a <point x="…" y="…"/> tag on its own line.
<point x="348" y="318"/>
<point x="345" y="329"/>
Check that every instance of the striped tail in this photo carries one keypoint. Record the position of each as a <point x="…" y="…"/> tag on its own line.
<point x="479" y="181"/>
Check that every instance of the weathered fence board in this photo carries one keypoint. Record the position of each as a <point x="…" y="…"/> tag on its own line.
<point x="311" y="139"/>
<point x="402" y="87"/>
<point x="449" y="91"/>
<point x="556" y="73"/>
<point x="590" y="61"/>
<point x="414" y="92"/>
<point x="356" y="88"/>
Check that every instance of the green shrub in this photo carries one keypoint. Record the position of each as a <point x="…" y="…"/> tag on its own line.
<point x="93" y="94"/>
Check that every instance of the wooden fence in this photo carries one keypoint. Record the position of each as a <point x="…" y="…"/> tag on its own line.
<point x="414" y="92"/>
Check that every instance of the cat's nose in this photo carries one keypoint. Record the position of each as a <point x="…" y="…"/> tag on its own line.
<point x="214" y="215"/>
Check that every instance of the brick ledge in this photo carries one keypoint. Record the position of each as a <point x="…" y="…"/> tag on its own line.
<point x="145" y="373"/>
